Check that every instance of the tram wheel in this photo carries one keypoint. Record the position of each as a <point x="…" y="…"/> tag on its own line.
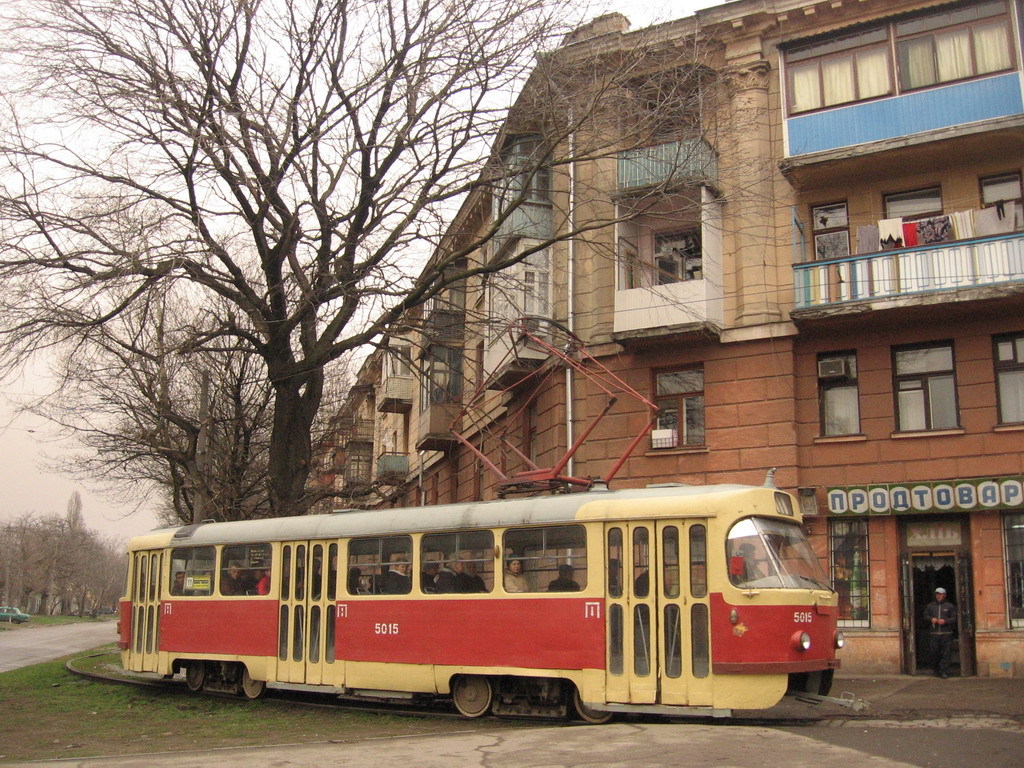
<point x="251" y="689"/>
<point x="195" y="675"/>
<point x="586" y="714"/>
<point x="472" y="695"/>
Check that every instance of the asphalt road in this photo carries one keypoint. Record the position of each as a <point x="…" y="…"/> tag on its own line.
<point x="26" y="645"/>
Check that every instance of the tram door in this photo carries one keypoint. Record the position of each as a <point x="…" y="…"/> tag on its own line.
<point x="631" y="672"/>
<point x="683" y="640"/>
<point x="305" y="640"/>
<point x="145" y="597"/>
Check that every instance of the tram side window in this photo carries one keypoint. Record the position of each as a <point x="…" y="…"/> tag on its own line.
<point x="551" y="559"/>
<point x="245" y="569"/>
<point x="380" y="565"/>
<point x="698" y="561"/>
<point x="458" y="562"/>
<point x="192" y="571"/>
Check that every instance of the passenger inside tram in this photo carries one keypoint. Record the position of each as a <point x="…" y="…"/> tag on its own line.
<point x="515" y="579"/>
<point x="397" y="581"/>
<point x="565" y="581"/>
<point x="234" y="580"/>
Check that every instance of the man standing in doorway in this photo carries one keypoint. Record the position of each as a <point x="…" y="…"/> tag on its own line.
<point x="940" y="617"/>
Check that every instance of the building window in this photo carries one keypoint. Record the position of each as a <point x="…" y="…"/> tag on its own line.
<point x="850" y="68"/>
<point x="831" y="233"/>
<point x="679" y="396"/>
<point x="526" y="177"/>
<point x="848" y="546"/>
<point x="1003" y="192"/>
<point x="916" y="204"/>
<point x="442" y="376"/>
<point x="925" y="386"/>
<point x="1009" y="364"/>
<point x="931" y="49"/>
<point x="1013" y="534"/>
<point x="838" y="396"/>
<point x="963" y="43"/>
<point x="677" y="257"/>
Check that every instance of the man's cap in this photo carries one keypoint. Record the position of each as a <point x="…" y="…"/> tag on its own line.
<point x="940" y="591"/>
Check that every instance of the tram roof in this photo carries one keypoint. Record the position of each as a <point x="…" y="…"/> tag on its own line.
<point x="662" y="500"/>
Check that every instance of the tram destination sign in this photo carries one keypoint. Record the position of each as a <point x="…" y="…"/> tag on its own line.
<point x="965" y="495"/>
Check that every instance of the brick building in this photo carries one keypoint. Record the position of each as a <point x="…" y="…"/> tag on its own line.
<point x="816" y="266"/>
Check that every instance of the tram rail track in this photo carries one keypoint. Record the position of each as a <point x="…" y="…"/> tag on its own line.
<point x="435" y="710"/>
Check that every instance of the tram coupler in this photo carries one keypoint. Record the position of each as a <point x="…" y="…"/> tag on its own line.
<point x="847" y="700"/>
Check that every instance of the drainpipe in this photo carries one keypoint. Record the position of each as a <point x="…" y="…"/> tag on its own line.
<point x="570" y="319"/>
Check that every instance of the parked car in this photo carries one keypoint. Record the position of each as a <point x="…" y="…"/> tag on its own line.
<point x="8" y="613"/>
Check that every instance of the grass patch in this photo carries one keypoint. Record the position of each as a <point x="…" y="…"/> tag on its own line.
<point x="50" y="713"/>
<point x="49" y="621"/>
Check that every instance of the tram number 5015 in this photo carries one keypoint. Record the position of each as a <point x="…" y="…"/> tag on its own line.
<point x="385" y="629"/>
<point x="802" y="617"/>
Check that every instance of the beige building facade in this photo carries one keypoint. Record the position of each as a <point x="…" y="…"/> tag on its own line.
<point x="806" y="255"/>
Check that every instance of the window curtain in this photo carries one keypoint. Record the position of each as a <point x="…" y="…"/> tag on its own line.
<point x="953" y="52"/>
<point x="805" y="93"/>
<point x="837" y="79"/>
<point x="872" y="73"/>
<point x="917" y="63"/>
<point x="991" y="47"/>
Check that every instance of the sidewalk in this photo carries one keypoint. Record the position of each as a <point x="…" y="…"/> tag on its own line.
<point x="920" y="696"/>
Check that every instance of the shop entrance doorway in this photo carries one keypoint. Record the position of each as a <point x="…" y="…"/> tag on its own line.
<point x="922" y="574"/>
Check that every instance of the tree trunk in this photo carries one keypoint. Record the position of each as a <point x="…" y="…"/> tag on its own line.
<point x="296" y="402"/>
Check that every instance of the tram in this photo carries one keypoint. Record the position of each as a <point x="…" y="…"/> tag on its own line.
<point x="671" y="599"/>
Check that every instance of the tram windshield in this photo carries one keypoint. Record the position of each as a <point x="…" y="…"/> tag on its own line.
<point x="772" y="554"/>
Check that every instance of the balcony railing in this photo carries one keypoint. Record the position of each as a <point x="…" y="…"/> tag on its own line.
<point x="394" y="395"/>
<point x="974" y="263"/>
<point x="674" y="161"/>
<point x="529" y="220"/>
<point x="392" y="468"/>
<point x="445" y="325"/>
<point x="353" y="430"/>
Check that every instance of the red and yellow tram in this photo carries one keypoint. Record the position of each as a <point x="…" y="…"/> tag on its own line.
<point x="671" y="599"/>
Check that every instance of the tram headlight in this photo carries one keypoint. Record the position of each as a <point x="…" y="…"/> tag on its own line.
<point x="840" y="639"/>
<point x="800" y="641"/>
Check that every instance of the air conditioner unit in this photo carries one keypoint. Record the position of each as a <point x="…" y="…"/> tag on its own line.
<point x="835" y="368"/>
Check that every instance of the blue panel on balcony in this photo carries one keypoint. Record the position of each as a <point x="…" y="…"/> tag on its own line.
<point x="904" y="115"/>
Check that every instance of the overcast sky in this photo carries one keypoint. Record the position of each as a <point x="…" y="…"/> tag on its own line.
<point x="25" y="442"/>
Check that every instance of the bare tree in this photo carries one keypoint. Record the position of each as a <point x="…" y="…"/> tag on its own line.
<point x="293" y="159"/>
<point x="149" y="413"/>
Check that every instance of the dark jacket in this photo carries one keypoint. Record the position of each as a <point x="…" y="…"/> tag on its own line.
<point x="944" y="610"/>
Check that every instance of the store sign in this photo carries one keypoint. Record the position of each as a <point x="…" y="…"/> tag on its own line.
<point x="934" y="534"/>
<point x="968" y="495"/>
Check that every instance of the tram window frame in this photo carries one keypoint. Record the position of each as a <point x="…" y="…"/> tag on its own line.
<point x="369" y="555"/>
<point x="670" y="561"/>
<point x="195" y="563"/>
<point x="542" y="550"/>
<point x="698" y="538"/>
<point x="468" y="547"/>
<point x="249" y="560"/>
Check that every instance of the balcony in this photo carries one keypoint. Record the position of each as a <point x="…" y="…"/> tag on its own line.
<point x="527" y="220"/>
<point x="392" y="468"/>
<point x="645" y="309"/>
<point x="434" y="427"/>
<point x="956" y="107"/>
<point x="508" y="360"/>
<point x="353" y="430"/>
<point x="986" y="262"/>
<point x="679" y="162"/>
<point x="394" y="395"/>
<point x="444" y="325"/>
